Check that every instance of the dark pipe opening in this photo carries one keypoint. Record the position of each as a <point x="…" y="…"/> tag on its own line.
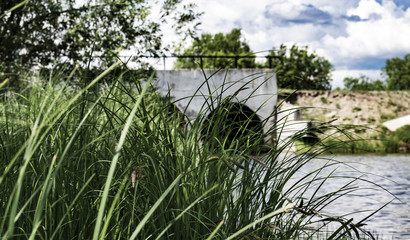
<point x="233" y="122"/>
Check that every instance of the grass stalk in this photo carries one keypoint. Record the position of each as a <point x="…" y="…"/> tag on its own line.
<point x="114" y="161"/>
<point x="154" y="207"/>
<point x="118" y="157"/>
<point x="268" y="216"/>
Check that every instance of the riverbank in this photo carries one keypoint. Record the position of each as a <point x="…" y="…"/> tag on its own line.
<point x="360" y="114"/>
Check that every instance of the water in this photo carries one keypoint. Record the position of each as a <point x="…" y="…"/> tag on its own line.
<point x="391" y="172"/>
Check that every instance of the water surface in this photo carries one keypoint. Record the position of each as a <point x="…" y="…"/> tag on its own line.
<point x="391" y="172"/>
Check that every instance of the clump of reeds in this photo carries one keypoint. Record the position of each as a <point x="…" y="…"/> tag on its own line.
<point x="114" y="162"/>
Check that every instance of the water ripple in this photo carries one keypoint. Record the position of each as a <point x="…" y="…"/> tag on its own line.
<point x="392" y="172"/>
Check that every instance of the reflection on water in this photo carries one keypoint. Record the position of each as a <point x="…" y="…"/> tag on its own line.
<point x="391" y="172"/>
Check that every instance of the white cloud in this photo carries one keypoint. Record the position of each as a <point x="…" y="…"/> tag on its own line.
<point x="385" y="33"/>
<point x="366" y="9"/>
<point x="285" y="9"/>
<point x="261" y="31"/>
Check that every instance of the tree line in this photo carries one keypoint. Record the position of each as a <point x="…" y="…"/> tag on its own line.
<point x="92" y="34"/>
<point x="295" y="67"/>
<point x="397" y="71"/>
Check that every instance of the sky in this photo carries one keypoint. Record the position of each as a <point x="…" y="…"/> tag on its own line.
<point x="356" y="36"/>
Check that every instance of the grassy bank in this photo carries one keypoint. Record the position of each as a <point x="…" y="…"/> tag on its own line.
<point x="359" y="117"/>
<point x="112" y="160"/>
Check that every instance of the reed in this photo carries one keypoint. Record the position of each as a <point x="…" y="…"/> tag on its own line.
<point x="111" y="161"/>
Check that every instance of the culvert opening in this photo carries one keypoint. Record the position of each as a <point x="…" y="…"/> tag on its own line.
<point x="172" y="112"/>
<point x="230" y="124"/>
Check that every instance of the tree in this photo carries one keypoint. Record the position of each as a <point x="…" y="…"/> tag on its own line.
<point x="398" y="72"/>
<point x="363" y="83"/>
<point x="297" y="69"/>
<point x="71" y="31"/>
<point x="218" y="45"/>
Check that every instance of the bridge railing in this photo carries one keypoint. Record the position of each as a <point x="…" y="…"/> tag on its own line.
<point x="201" y="58"/>
<point x="234" y="57"/>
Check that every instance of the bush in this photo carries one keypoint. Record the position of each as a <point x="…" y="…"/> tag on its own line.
<point x="398" y="141"/>
<point x="338" y="106"/>
<point x="386" y="117"/>
<point x="357" y="109"/>
<point x="403" y="134"/>
<point x="371" y="120"/>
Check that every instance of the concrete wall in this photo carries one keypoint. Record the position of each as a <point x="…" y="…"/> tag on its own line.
<point x="289" y="121"/>
<point x="397" y="123"/>
<point x="192" y="88"/>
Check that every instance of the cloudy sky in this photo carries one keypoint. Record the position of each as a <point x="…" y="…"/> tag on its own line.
<point x="356" y="36"/>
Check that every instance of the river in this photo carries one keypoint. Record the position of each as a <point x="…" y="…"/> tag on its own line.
<point x="391" y="172"/>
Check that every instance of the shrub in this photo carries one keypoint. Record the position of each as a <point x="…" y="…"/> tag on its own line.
<point x="403" y="134"/>
<point x="385" y="117"/>
<point x="357" y="109"/>
<point x="338" y="106"/>
<point x="324" y="100"/>
<point x="371" y="119"/>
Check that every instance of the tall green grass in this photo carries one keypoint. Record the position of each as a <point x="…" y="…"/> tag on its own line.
<point x="111" y="161"/>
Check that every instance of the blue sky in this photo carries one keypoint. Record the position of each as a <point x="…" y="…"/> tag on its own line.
<point x="356" y="36"/>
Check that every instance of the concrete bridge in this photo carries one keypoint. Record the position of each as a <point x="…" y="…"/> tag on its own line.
<point x="198" y="91"/>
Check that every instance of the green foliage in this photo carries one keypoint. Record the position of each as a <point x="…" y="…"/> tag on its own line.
<point x="69" y="31"/>
<point x="347" y="119"/>
<point x="381" y="142"/>
<point x="110" y="161"/>
<point x="385" y="117"/>
<point x="403" y="134"/>
<point x="371" y="120"/>
<point x="338" y="106"/>
<point x="323" y="100"/>
<point x="363" y="83"/>
<point x="220" y="44"/>
<point x="297" y="69"/>
<point x="398" y="72"/>
<point x="392" y="141"/>
<point x="357" y="109"/>
<point x="391" y="103"/>
<point x="358" y="146"/>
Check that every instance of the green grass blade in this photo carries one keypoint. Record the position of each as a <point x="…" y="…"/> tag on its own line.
<point x="184" y="211"/>
<point x="54" y="116"/>
<point x="281" y="210"/>
<point x="42" y="200"/>
<point x="115" y="160"/>
<point x="14" y="8"/>
<point x="154" y="207"/>
<point x="113" y="205"/>
<point x="60" y="223"/>
<point x="18" y="186"/>
<point x="343" y="227"/>
<point x="215" y="230"/>
<point x="4" y="83"/>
